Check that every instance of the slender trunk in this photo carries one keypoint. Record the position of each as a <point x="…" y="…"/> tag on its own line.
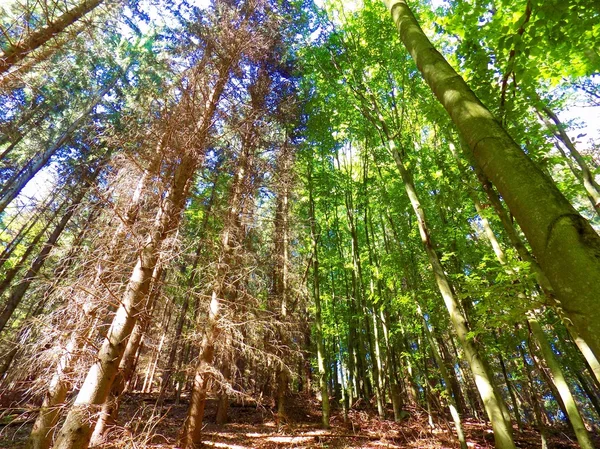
<point x="10" y="274"/>
<point x="392" y="370"/>
<point x="18" y="292"/>
<point x="38" y="38"/>
<point x="526" y="256"/>
<point x="511" y="392"/>
<point x="192" y="431"/>
<point x="459" y="396"/>
<point x="56" y="395"/>
<point x="447" y="382"/>
<point x="14" y="186"/>
<point x="563" y="242"/>
<point x="166" y="377"/>
<point x="317" y="298"/>
<point x="492" y="401"/>
<point x="561" y="384"/>
<point x="110" y="408"/>
<point x="499" y="252"/>
<point x="280" y="289"/>
<point x="585" y="176"/>
<point x="77" y="429"/>
<point x="374" y="340"/>
<point x="154" y="364"/>
<point x="535" y="401"/>
<point x="379" y="372"/>
<point x="589" y="391"/>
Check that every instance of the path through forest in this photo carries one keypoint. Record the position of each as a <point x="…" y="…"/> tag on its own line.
<point x="255" y="426"/>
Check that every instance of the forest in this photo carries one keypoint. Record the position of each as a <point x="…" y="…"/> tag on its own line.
<point x="299" y="223"/>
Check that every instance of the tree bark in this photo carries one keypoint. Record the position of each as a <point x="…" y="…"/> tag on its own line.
<point x="20" y="179"/>
<point x="38" y="38"/>
<point x="191" y="436"/>
<point x="559" y="380"/>
<point x="526" y="256"/>
<point x="564" y="243"/>
<point x="110" y="408"/>
<point x="317" y="298"/>
<point x="492" y="401"/>
<point x="185" y="306"/>
<point x="447" y="382"/>
<point x="77" y="429"/>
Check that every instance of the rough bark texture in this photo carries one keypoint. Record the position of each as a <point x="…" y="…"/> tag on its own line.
<point x="77" y="429"/>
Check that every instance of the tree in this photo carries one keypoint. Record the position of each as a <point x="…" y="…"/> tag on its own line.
<point x="563" y="242"/>
<point x="15" y="52"/>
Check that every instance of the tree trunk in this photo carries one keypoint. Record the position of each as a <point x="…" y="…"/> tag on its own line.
<point x="191" y="436"/>
<point x="564" y="243"/>
<point x="16" y="53"/>
<point x="317" y="298"/>
<point x="447" y="382"/>
<point x="10" y="274"/>
<point x="110" y="408"/>
<point x="561" y="384"/>
<point x="585" y="176"/>
<point x="166" y="378"/>
<point x="13" y="187"/>
<point x="17" y="293"/>
<point x="526" y="256"/>
<point x="492" y="401"/>
<point x="77" y="429"/>
<point x="535" y="400"/>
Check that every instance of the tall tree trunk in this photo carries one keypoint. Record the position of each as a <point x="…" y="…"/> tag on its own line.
<point x="317" y="298"/>
<point x="447" y="382"/>
<point x="526" y="256"/>
<point x="585" y="176"/>
<point x="192" y="431"/>
<point x="492" y="401"/>
<point x="510" y="389"/>
<point x="10" y="274"/>
<point x="280" y="290"/>
<point x="20" y="179"/>
<point x="562" y="386"/>
<point x="16" y="53"/>
<point x="535" y="400"/>
<point x="166" y="377"/>
<point x="589" y="391"/>
<point x="564" y="243"/>
<point x="110" y="408"/>
<point x="77" y="429"/>
<point x="18" y="292"/>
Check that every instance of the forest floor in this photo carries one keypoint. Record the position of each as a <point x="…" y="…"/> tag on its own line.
<point x="252" y="426"/>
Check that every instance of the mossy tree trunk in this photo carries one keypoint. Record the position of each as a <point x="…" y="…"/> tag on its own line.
<point x="564" y="243"/>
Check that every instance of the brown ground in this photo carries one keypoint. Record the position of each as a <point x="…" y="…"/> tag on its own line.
<point x="252" y="426"/>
